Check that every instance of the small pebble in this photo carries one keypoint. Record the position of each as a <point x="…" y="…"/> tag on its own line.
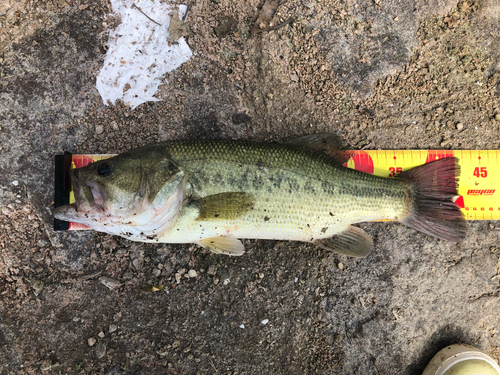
<point x="91" y="341"/>
<point x="100" y="350"/>
<point x="42" y="243"/>
<point x="340" y="266"/>
<point x="242" y="326"/>
<point x="109" y="283"/>
<point x="497" y="116"/>
<point x="156" y="272"/>
<point x="15" y="183"/>
<point x="168" y="268"/>
<point x="460" y="126"/>
<point x="192" y="273"/>
<point x="261" y="275"/>
<point x="212" y="270"/>
<point x="176" y="344"/>
<point x="137" y="263"/>
<point x="101" y="334"/>
<point x="99" y="129"/>
<point x="226" y="281"/>
<point x="265" y="321"/>
<point x="182" y="271"/>
<point x="37" y="286"/>
<point x="112" y="328"/>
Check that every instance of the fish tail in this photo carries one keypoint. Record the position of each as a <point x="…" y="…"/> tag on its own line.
<point x="433" y="211"/>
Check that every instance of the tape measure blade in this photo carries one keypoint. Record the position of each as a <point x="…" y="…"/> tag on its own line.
<point x="479" y="182"/>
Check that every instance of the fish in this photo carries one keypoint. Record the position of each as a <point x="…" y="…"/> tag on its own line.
<point x="214" y="193"/>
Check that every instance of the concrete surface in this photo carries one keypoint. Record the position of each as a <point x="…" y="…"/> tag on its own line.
<point x="382" y="74"/>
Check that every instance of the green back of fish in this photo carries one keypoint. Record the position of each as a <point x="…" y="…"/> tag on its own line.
<point x="297" y="192"/>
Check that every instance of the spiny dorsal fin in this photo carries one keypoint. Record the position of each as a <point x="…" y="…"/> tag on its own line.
<point x="225" y="206"/>
<point x="354" y="242"/>
<point x="327" y="143"/>
<point x="228" y="245"/>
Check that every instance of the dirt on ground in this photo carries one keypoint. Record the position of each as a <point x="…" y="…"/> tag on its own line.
<point x="398" y="74"/>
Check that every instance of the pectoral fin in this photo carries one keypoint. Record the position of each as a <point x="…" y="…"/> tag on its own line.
<point x="354" y="242"/>
<point x="224" y="206"/>
<point x="228" y="245"/>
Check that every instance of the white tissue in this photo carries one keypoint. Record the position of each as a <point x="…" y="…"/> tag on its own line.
<point x="140" y="52"/>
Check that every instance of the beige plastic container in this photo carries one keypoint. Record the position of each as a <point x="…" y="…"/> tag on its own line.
<point x="461" y="359"/>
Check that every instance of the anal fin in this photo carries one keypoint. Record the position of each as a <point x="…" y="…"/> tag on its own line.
<point x="228" y="245"/>
<point x="354" y="242"/>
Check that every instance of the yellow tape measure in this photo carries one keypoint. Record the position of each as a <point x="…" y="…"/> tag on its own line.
<point x="479" y="183"/>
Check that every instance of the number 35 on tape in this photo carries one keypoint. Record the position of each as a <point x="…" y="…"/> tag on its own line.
<point x="479" y="182"/>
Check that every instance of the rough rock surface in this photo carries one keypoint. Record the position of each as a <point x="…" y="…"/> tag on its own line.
<point x="382" y="74"/>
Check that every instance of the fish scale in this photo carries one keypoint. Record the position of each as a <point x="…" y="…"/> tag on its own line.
<point x="314" y="192"/>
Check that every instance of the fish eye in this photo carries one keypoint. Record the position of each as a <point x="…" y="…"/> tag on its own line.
<point x="104" y="169"/>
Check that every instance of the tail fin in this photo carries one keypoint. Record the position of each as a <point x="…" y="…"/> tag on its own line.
<point x="433" y="186"/>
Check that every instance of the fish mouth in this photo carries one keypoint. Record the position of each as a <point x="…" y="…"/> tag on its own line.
<point x="84" y="198"/>
<point x="66" y="213"/>
<point x="89" y="199"/>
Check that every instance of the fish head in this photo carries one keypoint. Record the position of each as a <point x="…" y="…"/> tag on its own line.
<point x="129" y="190"/>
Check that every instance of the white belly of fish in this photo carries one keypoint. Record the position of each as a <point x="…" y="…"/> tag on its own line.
<point x="258" y="224"/>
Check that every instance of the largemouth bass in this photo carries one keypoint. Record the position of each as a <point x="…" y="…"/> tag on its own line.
<point x="215" y="192"/>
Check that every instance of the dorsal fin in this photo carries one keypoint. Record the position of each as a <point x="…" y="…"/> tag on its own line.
<point x="327" y="143"/>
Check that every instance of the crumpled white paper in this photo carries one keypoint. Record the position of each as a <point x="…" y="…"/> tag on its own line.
<point x="140" y="52"/>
